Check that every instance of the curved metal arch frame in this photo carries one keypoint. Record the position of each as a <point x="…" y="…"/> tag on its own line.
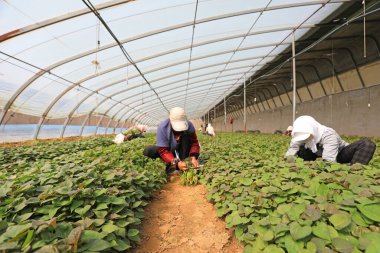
<point x="172" y="90"/>
<point x="138" y="111"/>
<point x="96" y="92"/>
<point x="107" y="97"/>
<point x="48" y="69"/>
<point x="217" y="93"/>
<point x="319" y="78"/>
<point x="173" y="99"/>
<point x="59" y="19"/>
<point x="303" y="4"/>
<point x="85" y="98"/>
<point x="103" y="87"/>
<point x="112" y="116"/>
<point x="157" y="69"/>
<point x="318" y="75"/>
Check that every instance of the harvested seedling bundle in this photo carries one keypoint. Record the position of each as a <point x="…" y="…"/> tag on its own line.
<point x="190" y="177"/>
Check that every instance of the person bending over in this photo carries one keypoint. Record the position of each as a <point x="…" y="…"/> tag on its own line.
<point x="311" y="140"/>
<point x="176" y="140"/>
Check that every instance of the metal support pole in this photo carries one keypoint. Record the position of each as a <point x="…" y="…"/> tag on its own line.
<point x="294" y="77"/>
<point x="225" y="111"/>
<point x="364" y="32"/>
<point x="214" y="115"/>
<point x="245" y="109"/>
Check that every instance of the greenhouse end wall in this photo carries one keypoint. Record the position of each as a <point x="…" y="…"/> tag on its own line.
<point x="354" y="112"/>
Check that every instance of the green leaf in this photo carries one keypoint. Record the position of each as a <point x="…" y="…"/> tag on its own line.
<point x="333" y="233"/>
<point x="101" y="214"/>
<point x="312" y="212"/>
<point x="118" y="201"/>
<point x="98" y="245"/>
<point x="133" y="234"/>
<point x="268" y="236"/>
<point x="283" y="208"/>
<point x="75" y="204"/>
<point x="320" y="244"/>
<point x="273" y="249"/>
<point x="136" y="204"/>
<point x="322" y="190"/>
<point x="298" y="232"/>
<point x="291" y="245"/>
<point x="296" y="211"/>
<point x="53" y="211"/>
<point x="102" y="206"/>
<point x="89" y="235"/>
<point x="342" y="245"/>
<point x="251" y="249"/>
<point x="8" y="246"/>
<point x="23" y="217"/>
<point x="233" y="219"/>
<point x="109" y="228"/>
<point x="28" y="239"/>
<point x="82" y="210"/>
<point x="239" y="233"/>
<point x="373" y="247"/>
<point x="5" y="188"/>
<point x="48" y="249"/>
<point x="321" y="230"/>
<point x="358" y="219"/>
<point x="13" y="231"/>
<point x="98" y="193"/>
<point x="246" y="181"/>
<point x="371" y="211"/>
<point x="340" y="220"/>
<point x="370" y="242"/>
<point x="122" y="245"/>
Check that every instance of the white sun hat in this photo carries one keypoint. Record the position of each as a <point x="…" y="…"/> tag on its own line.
<point x="178" y="119"/>
<point x="300" y="136"/>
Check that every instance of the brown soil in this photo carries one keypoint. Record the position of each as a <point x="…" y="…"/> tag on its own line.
<point x="180" y="219"/>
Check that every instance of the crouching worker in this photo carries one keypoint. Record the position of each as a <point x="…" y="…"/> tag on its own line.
<point x="289" y="131"/>
<point x="131" y="133"/>
<point x="176" y="140"/>
<point x="210" y="130"/>
<point x="134" y="132"/>
<point x="310" y="140"/>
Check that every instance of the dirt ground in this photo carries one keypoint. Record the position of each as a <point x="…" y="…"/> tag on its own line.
<point x="181" y="220"/>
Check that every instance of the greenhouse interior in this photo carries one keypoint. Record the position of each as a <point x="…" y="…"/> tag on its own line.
<point x="190" y="126"/>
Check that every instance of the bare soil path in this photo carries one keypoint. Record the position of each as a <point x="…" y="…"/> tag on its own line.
<point x="181" y="220"/>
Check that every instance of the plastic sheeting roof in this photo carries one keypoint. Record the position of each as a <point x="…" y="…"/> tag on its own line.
<point x="58" y="60"/>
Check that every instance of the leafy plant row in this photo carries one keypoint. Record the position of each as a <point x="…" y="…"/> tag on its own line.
<point x="90" y="201"/>
<point x="292" y="206"/>
<point x="22" y="155"/>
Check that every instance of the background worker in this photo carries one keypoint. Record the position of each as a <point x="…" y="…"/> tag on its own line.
<point x="289" y="131"/>
<point x="210" y="130"/>
<point x="129" y="134"/>
<point x="310" y="140"/>
<point x="134" y="132"/>
<point x="176" y="140"/>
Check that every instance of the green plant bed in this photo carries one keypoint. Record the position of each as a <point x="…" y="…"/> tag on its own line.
<point x="292" y="206"/>
<point x="88" y="201"/>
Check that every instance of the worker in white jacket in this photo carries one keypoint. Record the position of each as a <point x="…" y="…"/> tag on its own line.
<point x="210" y="130"/>
<point x="310" y="140"/>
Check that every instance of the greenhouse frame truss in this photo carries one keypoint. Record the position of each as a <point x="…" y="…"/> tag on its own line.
<point x="123" y="62"/>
